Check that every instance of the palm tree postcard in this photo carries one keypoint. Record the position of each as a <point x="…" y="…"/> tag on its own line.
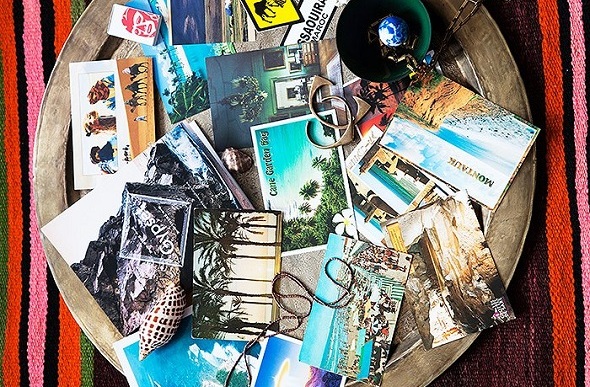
<point x="236" y="255"/>
<point x="383" y="99"/>
<point x="303" y="181"/>
<point x="460" y="137"/>
<point x="354" y="339"/>
<point x="454" y="287"/>
<point x="385" y="186"/>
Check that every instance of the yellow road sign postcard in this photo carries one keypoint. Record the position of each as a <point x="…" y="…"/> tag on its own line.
<point x="268" y="14"/>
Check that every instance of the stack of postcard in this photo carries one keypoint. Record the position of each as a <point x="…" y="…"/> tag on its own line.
<point x="454" y="287"/>
<point x="460" y="137"/>
<point x="88" y="235"/>
<point x="354" y="339"/>
<point x="236" y="255"/>
<point x="384" y="185"/>
<point x="112" y="115"/>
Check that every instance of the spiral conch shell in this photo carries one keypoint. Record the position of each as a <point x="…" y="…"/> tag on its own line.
<point x="162" y="321"/>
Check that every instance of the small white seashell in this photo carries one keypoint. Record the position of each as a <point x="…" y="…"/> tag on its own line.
<point x="162" y="321"/>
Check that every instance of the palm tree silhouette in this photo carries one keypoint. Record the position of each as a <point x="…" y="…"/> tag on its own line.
<point x="310" y="189"/>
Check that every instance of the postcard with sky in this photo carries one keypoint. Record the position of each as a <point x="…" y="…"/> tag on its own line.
<point x="184" y="360"/>
<point x="354" y="340"/>
<point x="384" y="185"/>
<point x="303" y="181"/>
<point x="258" y="87"/>
<point x="454" y="286"/>
<point x="279" y="366"/>
<point x="236" y="255"/>
<point x="460" y="137"/>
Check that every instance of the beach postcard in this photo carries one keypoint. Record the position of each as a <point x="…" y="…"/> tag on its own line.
<point x="236" y="255"/>
<point x="384" y="186"/>
<point x="383" y="99"/>
<point x="306" y="183"/>
<point x="454" y="287"/>
<point x="270" y="85"/>
<point x="180" y="71"/>
<point x="354" y="340"/>
<point x="185" y="361"/>
<point x="279" y="366"/>
<point x="217" y="21"/>
<point x="460" y="137"/>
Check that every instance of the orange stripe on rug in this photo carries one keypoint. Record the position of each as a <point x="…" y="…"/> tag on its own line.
<point x="63" y="25"/>
<point x="10" y="365"/>
<point x="559" y="228"/>
<point x="68" y="364"/>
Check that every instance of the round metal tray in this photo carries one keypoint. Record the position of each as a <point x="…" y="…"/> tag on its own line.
<point x="479" y="58"/>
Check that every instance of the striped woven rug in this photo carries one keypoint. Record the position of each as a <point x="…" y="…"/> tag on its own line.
<point x="548" y="344"/>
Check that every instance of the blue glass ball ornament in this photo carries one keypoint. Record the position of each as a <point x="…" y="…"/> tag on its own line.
<point x="393" y="31"/>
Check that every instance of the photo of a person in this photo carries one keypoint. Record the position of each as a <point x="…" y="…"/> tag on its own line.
<point x="105" y="156"/>
<point x="96" y="123"/>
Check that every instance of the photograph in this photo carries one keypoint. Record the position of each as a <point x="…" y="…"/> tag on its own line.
<point x="307" y="183"/>
<point x="236" y="255"/>
<point x="454" y="289"/>
<point x="461" y="138"/>
<point x="88" y="234"/>
<point x="103" y="126"/>
<point x="180" y="71"/>
<point x="355" y="340"/>
<point x="257" y="87"/>
<point x="279" y="366"/>
<point x="185" y="361"/>
<point x="384" y="186"/>
<point x="383" y="99"/>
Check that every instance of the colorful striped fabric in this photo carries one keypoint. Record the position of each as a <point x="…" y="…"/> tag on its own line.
<point x="548" y="344"/>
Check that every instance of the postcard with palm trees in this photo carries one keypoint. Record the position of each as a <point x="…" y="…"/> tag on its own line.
<point x="354" y="339"/>
<point x="303" y="181"/>
<point x="236" y="256"/>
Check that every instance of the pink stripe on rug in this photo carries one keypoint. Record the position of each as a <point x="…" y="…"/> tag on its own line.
<point x="38" y="278"/>
<point x="580" y="134"/>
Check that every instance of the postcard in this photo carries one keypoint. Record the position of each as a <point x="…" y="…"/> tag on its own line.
<point x="155" y="227"/>
<point x="384" y="186"/>
<point x="193" y="22"/>
<point x="279" y="366"/>
<point x="185" y="361"/>
<point x="382" y="98"/>
<point x="258" y="87"/>
<point x="454" y="286"/>
<point x="267" y="14"/>
<point x="137" y="84"/>
<point x="316" y="17"/>
<point x="236" y="255"/>
<point x="303" y="181"/>
<point x="354" y="340"/>
<point x="180" y="71"/>
<point x="88" y="234"/>
<point x="460" y="137"/>
<point x="134" y="24"/>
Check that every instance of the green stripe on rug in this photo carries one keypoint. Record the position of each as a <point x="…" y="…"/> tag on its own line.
<point x="77" y="7"/>
<point x="87" y="363"/>
<point x="3" y="221"/>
